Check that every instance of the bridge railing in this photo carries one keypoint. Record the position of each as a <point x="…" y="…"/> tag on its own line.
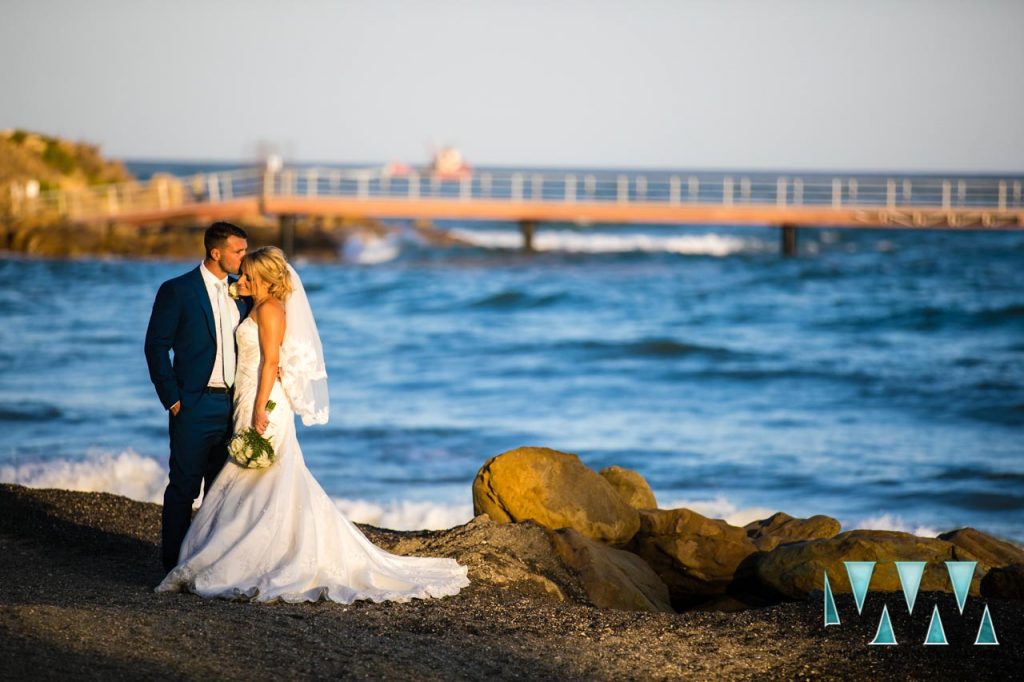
<point x="164" y="193"/>
<point x="837" y="192"/>
<point x="158" y="194"/>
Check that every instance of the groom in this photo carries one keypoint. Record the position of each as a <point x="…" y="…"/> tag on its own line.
<point x="194" y="317"/>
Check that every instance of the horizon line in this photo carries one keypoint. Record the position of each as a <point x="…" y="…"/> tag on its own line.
<point x="755" y="170"/>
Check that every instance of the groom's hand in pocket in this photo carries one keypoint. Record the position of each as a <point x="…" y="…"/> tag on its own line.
<point x="175" y="409"/>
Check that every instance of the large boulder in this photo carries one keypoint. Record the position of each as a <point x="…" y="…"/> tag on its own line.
<point x="1006" y="582"/>
<point x="631" y="486"/>
<point x="612" y="578"/>
<point x="697" y="557"/>
<point x="990" y="551"/>
<point x="554" y="489"/>
<point x="796" y="570"/>
<point x="781" y="529"/>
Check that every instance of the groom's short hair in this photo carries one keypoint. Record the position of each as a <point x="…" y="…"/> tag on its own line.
<point x="218" y="233"/>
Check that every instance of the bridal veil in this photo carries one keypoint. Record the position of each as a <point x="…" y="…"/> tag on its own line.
<point x="303" y="372"/>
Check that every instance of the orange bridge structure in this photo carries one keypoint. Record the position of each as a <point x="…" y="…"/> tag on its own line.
<point x="531" y="198"/>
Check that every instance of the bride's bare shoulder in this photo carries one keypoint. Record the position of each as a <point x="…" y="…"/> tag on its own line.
<point x="270" y="311"/>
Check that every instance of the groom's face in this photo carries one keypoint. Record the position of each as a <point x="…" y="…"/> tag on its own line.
<point x="230" y="260"/>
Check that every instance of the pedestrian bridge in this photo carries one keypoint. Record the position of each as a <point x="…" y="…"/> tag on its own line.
<point x="531" y="197"/>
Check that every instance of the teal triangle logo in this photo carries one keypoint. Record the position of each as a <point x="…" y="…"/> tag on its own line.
<point x="831" y="614"/>
<point x="936" y="633"/>
<point x="859" y="573"/>
<point x="986" y="631"/>
<point x="884" y="635"/>
<point x="960" y="574"/>
<point x="910" y="580"/>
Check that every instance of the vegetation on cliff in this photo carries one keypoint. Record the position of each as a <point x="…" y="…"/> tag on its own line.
<point x="54" y="162"/>
<point x="33" y="163"/>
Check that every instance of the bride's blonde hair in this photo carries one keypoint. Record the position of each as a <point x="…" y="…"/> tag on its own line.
<point x="268" y="264"/>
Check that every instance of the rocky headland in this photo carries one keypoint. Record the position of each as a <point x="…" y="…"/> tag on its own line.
<point x="576" y="574"/>
<point x="34" y="166"/>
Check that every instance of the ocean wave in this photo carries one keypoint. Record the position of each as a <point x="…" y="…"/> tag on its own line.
<point x="125" y="473"/>
<point x="753" y="374"/>
<point x="143" y="478"/>
<point x="370" y="250"/>
<point x="964" y="473"/>
<point x="895" y="522"/>
<point x="405" y="514"/>
<point x="720" y="508"/>
<point x="577" y="242"/>
<point x="28" y="411"/>
<point x="930" y="318"/>
<point x="653" y="347"/>
<point x="508" y="300"/>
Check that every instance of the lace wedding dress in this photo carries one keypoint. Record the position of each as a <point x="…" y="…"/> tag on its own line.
<point x="273" y="533"/>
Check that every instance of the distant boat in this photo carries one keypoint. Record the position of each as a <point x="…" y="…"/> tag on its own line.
<point x="396" y="169"/>
<point x="448" y="164"/>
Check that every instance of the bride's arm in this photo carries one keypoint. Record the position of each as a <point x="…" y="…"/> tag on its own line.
<point x="270" y="320"/>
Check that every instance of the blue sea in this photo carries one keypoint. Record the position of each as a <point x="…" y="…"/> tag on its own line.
<point x="878" y="377"/>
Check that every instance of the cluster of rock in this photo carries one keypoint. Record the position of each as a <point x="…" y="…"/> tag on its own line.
<point x="615" y="545"/>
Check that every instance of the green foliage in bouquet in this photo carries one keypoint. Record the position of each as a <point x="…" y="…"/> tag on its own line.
<point x="251" y="450"/>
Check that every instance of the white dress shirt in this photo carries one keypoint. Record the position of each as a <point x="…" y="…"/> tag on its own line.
<point x="211" y="280"/>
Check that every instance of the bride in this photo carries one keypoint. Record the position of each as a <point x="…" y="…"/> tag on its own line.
<point x="273" y="533"/>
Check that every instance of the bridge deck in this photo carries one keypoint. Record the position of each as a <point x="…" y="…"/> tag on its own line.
<point x="645" y="213"/>
<point x="534" y="197"/>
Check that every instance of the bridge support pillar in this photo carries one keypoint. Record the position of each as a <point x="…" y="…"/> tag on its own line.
<point x="788" y="245"/>
<point x="527" y="227"/>
<point x="287" y="238"/>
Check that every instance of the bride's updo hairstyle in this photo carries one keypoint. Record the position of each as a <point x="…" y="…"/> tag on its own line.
<point x="268" y="265"/>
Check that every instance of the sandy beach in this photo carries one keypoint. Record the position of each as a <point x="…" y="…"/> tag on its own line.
<point x="76" y="601"/>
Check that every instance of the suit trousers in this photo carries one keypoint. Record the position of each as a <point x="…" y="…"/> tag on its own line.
<point x="199" y="437"/>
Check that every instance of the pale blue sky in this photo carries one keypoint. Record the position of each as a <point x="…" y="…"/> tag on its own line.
<point x="793" y="84"/>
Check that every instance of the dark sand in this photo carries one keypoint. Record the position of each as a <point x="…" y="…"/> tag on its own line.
<point x="76" y="601"/>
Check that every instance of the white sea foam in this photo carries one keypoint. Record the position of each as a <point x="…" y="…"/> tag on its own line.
<point x="720" y="508"/>
<point x="594" y="242"/>
<point x="405" y="515"/>
<point x="893" y="522"/>
<point x="125" y="473"/>
<point x="143" y="478"/>
<point x="370" y="250"/>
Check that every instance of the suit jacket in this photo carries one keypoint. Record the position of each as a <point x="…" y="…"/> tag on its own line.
<point x="182" y="322"/>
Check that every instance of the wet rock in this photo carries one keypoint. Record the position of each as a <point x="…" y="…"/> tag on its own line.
<point x="795" y="570"/>
<point x="631" y="486"/>
<point x="781" y="529"/>
<point x="695" y="556"/>
<point x="612" y="578"/>
<point x="554" y="489"/>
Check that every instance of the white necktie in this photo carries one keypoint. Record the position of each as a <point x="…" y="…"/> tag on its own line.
<point x="227" y="335"/>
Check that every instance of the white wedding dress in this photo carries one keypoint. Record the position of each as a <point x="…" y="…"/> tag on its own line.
<point x="266" y="534"/>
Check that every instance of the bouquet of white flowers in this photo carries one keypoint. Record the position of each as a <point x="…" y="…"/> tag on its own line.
<point x="251" y="450"/>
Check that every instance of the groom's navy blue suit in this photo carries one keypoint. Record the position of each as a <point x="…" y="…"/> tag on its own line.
<point x="182" y="321"/>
